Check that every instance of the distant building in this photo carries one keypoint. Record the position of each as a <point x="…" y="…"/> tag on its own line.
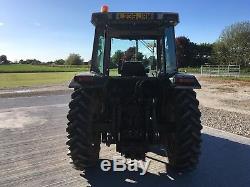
<point x="87" y="63"/>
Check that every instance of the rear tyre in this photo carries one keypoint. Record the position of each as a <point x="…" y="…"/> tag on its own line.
<point x="183" y="146"/>
<point x="84" y="144"/>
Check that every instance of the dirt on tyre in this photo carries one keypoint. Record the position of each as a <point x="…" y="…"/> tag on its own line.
<point x="184" y="145"/>
<point x="83" y="142"/>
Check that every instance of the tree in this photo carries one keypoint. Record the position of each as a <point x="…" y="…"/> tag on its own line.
<point x="152" y="61"/>
<point x="74" y="59"/>
<point x="34" y="61"/>
<point x="4" y="60"/>
<point x="59" y="62"/>
<point x="220" y="53"/>
<point x="119" y="55"/>
<point x="30" y="61"/>
<point x="233" y="45"/>
<point x="184" y="52"/>
<point x="192" y="54"/>
<point x="203" y="53"/>
<point x="130" y="54"/>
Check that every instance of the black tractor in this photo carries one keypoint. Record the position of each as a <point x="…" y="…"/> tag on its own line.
<point x="133" y="95"/>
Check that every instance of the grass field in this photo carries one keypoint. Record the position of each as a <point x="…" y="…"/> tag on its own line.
<point x="27" y="68"/>
<point x="14" y="80"/>
<point x="20" y="75"/>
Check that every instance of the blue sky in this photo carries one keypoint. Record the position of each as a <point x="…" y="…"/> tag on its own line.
<point x="51" y="29"/>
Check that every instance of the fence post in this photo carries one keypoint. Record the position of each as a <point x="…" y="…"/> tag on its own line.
<point x="239" y="71"/>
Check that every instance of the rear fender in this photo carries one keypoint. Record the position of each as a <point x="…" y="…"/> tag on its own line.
<point x="185" y="81"/>
<point x="87" y="79"/>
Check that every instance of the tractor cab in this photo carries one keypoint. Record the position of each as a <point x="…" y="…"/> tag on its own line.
<point x="134" y="43"/>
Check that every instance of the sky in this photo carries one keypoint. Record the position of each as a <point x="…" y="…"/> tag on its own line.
<point x="52" y="29"/>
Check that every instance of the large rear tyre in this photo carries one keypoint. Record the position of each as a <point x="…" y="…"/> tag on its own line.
<point x="83" y="142"/>
<point x="183" y="146"/>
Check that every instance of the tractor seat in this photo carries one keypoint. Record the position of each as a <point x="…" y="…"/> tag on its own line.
<point x="133" y="69"/>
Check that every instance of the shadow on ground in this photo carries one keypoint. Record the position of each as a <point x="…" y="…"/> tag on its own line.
<point x="223" y="163"/>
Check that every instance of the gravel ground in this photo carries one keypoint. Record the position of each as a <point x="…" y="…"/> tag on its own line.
<point x="225" y="105"/>
<point x="228" y="121"/>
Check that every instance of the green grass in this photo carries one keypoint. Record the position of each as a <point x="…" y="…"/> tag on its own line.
<point x="14" y="80"/>
<point x="18" y="75"/>
<point x="27" y="68"/>
<point x="245" y="71"/>
<point x="113" y="72"/>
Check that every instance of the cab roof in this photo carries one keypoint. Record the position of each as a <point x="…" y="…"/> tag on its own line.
<point x="140" y="19"/>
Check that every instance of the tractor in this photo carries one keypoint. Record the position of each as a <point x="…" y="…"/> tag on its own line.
<point x="133" y="96"/>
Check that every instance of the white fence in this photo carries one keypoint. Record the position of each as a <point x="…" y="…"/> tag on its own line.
<point x="221" y="70"/>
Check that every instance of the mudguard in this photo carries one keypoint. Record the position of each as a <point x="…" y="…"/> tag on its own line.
<point x="87" y="79"/>
<point x="185" y="81"/>
<point x="91" y="79"/>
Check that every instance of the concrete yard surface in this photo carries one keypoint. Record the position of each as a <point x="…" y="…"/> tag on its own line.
<point x="33" y="152"/>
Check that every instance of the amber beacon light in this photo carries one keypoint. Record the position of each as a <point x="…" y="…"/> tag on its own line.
<point x="105" y="9"/>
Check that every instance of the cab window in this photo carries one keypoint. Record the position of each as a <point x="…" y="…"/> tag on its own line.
<point x="170" y="50"/>
<point x="100" y="53"/>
